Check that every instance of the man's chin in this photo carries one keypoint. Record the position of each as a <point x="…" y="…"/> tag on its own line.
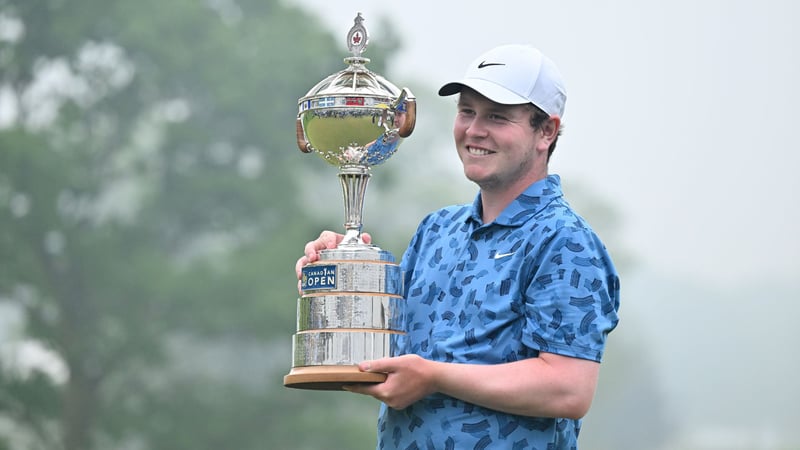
<point x="483" y="180"/>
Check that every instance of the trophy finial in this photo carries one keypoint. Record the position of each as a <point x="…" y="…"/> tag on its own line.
<point x="357" y="37"/>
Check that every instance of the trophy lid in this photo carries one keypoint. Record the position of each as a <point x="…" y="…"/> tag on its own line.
<point x="355" y="80"/>
<point x="355" y="117"/>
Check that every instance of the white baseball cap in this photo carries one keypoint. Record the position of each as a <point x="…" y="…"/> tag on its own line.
<point x="514" y="75"/>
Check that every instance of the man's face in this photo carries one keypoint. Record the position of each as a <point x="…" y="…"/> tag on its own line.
<point x="497" y="145"/>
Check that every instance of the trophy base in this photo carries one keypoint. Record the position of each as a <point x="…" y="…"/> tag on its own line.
<point x="329" y="378"/>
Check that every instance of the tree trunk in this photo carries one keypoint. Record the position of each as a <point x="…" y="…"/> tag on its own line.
<point x="80" y="400"/>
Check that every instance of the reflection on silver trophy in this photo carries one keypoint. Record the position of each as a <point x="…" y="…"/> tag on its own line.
<point x="351" y="307"/>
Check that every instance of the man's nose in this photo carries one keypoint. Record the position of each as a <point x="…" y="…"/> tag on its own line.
<point x="477" y="127"/>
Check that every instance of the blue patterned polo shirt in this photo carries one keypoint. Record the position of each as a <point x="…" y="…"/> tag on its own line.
<point x="537" y="279"/>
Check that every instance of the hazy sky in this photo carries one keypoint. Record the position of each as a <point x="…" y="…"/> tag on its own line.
<point x="681" y="114"/>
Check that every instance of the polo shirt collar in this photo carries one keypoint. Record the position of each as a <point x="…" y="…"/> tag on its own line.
<point x="531" y="201"/>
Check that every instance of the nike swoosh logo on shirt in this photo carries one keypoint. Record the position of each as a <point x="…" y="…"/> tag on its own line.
<point x="502" y="255"/>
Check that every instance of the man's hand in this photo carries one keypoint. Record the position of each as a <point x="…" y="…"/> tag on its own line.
<point x="326" y="240"/>
<point x="409" y="378"/>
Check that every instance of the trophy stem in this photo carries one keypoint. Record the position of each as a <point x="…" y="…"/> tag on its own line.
<point x="354" y="179"/>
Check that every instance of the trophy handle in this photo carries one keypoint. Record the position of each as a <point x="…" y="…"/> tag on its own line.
<point x="302" y="142"/>
<point x="411" y="112"/>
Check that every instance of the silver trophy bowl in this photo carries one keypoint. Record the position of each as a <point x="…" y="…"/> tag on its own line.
<point x="351" y="307"/>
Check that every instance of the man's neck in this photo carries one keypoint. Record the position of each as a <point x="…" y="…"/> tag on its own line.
<point x="495" y="201"/>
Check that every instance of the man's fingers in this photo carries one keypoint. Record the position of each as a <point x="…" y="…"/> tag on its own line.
<point x="311" y="249"/>
<point x="329" y="239"/>
<point x="298" y="267"/>
<point x="326" y="240"/>
<point x="382" y="365"/>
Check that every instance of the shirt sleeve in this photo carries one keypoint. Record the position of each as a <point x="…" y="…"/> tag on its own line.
<point x="572" y="296"/>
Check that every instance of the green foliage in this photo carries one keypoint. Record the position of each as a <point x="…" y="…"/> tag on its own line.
<point x="149" y="213"/>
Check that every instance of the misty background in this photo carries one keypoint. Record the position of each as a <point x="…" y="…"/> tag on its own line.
<point x="153" y="202"/>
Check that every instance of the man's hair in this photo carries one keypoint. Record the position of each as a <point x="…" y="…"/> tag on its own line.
<point x="538" y="118"/>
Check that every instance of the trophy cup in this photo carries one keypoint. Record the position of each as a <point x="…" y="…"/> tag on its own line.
<point x="351" y="307"/>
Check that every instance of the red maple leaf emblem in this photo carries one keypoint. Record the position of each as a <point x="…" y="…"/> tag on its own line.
<point x="356" y="38"/>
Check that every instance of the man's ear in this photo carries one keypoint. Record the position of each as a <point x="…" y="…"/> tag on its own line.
<point x="550" y="128"/>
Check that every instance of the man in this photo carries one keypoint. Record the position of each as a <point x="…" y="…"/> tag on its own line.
<point x="509" y="299"/>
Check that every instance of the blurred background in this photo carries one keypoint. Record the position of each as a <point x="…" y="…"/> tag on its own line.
<point x="153" y="203"/>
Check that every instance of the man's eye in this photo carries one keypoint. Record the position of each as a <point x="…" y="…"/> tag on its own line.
<point x="497" y="117"/>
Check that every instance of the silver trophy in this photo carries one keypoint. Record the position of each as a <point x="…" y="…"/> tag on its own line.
<point x="351" y="307"/>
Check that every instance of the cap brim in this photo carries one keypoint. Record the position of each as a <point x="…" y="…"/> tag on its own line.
<point x="488" y="89"/>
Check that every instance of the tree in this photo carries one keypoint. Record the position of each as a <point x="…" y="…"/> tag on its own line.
<point x="147" y="172"/>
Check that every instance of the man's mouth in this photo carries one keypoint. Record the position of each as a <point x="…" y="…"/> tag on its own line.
<point x="476" y="151"/>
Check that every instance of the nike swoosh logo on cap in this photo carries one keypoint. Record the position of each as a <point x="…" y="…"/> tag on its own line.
<point x="485" y="64"/>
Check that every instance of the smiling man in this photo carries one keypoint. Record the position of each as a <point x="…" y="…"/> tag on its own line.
<point x="509" y="299"/>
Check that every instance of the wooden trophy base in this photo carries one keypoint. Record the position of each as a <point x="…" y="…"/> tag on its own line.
<point x="329" y="378"/>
